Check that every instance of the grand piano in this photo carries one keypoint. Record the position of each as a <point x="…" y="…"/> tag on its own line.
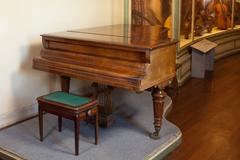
<point x="133" y="57"/>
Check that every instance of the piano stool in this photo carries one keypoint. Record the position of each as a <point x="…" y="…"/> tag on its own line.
<point x="69" y="106"/>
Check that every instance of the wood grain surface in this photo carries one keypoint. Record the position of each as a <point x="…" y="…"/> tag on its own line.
<point x="133" y="57"/>
<point x="208" y="114"/>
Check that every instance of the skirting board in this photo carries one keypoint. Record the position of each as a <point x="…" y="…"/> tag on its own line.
<point x="10" y="118"/>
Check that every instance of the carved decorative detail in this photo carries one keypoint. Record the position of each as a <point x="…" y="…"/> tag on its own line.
<point x="103" y="94"/>
<point x="158" y="95"/>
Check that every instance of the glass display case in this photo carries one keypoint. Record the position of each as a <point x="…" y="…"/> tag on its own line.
<point x="186" y="21"/>
<point x="237" y="13"/>
<point x="152" y="12"/>
<point x="193" y="19"/>
<point x="190" y="21"/>
<point x="207" y="17"/>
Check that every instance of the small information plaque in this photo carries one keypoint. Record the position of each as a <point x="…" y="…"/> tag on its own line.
<point x="202" y="57"/>
<point x="204" y="46"/>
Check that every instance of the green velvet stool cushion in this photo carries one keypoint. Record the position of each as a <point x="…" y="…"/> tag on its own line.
<point x="67" y="99"/>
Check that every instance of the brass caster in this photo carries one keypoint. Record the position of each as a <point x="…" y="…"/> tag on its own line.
<point x="155" y="135"/>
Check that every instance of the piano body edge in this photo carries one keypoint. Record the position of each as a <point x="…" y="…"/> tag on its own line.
<point x="132" y="69"/>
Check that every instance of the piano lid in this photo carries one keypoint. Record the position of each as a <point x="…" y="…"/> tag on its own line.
<point x="139" y="36"/>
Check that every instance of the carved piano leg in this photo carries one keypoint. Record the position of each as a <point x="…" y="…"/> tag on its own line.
<point x="158" y="95"/>
<point x="65" y="83"/>
<point x="105" y="104"/>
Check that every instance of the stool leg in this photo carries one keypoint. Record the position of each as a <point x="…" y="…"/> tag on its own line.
<point x="96" y="128"/>
<point x="77" y="129"/>
<point x="40" y="118"/>
<point x="59" y="123"/>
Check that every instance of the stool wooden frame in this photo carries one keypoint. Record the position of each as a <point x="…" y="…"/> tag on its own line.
<point x="76" y="114"/>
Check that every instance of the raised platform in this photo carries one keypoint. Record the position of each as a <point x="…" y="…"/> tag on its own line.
<point x="127" y="139"/>
<point x="7" y="155"/>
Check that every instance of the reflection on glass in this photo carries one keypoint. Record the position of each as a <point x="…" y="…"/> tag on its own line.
<point x="153" y="12"/>
<point x="210" y="16"/>
<point x="223" y="12"/>
<point x="186" y="21"/>
<point x="204" y="17"/>
<point x="237" y="12"/>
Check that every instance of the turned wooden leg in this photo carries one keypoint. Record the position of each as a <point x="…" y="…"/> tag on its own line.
<point x="40" y="118"/>
<point x="158" y="103"/>
<point x="65" y="83"/>
<point x="59" y="123"/>
<point x="96" y="128"/>
<point x="77" y="129"/>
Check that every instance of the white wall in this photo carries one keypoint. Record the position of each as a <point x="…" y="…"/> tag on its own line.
<point x="21" y="23"/>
